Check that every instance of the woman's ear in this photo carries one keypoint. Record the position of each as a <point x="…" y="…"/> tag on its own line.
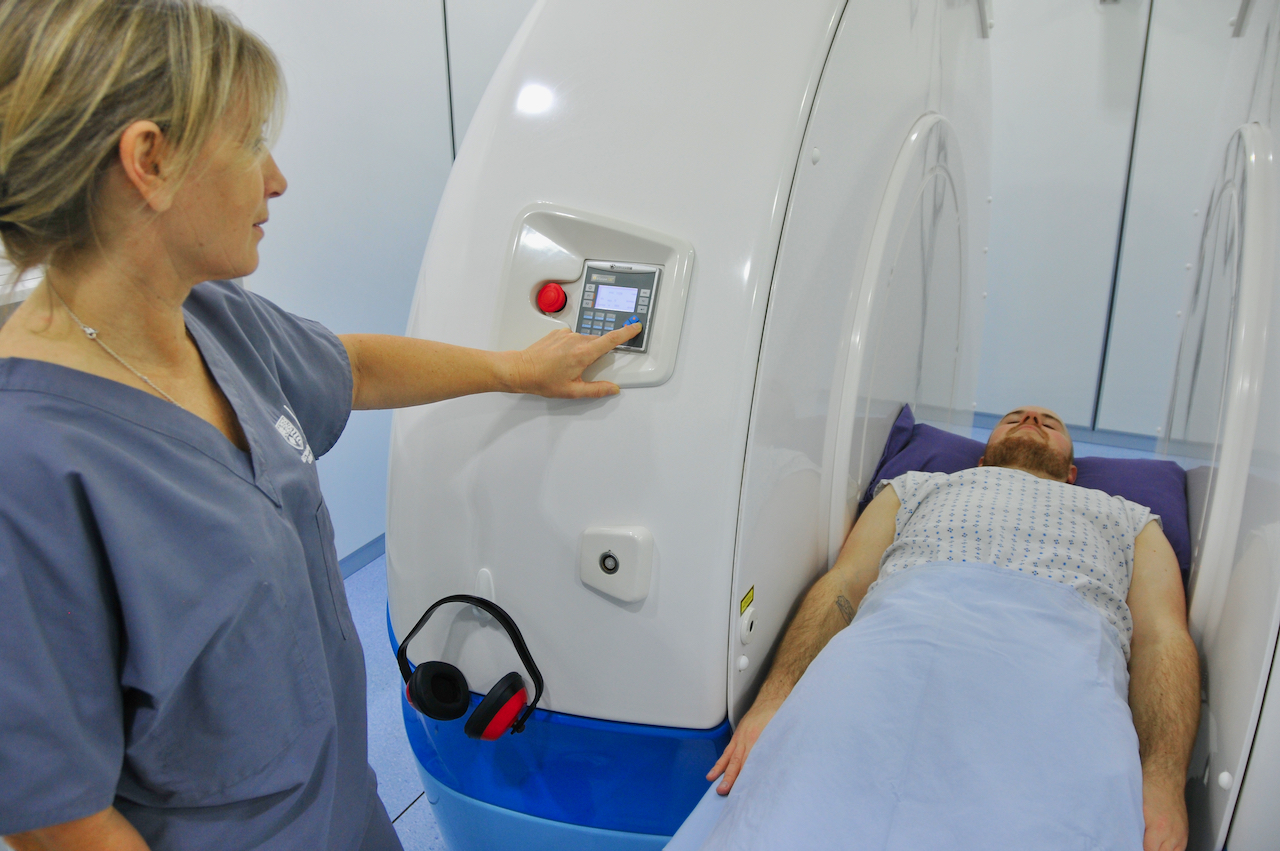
<point x="143" y="158"/>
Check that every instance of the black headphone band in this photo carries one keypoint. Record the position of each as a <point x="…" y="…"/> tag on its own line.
<point x="513" y="632"/>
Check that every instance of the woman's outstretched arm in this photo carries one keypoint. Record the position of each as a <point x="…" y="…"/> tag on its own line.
<point x="396" y="372"/>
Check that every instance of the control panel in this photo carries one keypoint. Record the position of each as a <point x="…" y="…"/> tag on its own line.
<point x="551" y="281"/>
<point x="618" y="294"/>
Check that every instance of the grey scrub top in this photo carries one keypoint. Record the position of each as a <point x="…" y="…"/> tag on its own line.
<point x="176" y="637"/>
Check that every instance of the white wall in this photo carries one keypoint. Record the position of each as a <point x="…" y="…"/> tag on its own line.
<point x="366" y="151"/>
<point x="1175" y="156"/>
<point x="1064" y="89"/>
<point x="1065" y="86"/>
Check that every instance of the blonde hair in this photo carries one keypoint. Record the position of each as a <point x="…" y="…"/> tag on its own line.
<point x="75" y="73"/>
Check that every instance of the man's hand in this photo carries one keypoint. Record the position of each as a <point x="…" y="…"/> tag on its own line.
<point x="827" y="608"/>
<point x="744" y="739"/>
<point x="1165" y="810"/>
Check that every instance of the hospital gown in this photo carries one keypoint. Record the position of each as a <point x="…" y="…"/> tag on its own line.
<point x="1080" y="537"/>
<point x="177" y="641"/>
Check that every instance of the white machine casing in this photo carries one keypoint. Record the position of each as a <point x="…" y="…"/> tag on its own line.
<point x="1223" y="410"/>
<point x="812" y="179"/>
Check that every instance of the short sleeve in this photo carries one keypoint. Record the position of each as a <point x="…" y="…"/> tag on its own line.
<point x="1143" y="517"/>
<point x="308" y="360"/>
<point x="911" y="489"/>
<point x="61" y="703"/>
<point x="1139" y="516"/>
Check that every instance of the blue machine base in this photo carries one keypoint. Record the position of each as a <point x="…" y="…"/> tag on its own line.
<point x="566" y="782"/>
<point x="470" y="825"/>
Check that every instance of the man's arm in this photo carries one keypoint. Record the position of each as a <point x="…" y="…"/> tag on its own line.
<point x="1164" y="688"/>
<point x="396" y="372"/>
<point x="103" y="831"/>
<point x="827" y="608"/>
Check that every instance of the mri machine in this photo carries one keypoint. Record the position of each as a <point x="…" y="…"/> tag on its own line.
<point x="795" y="194"/>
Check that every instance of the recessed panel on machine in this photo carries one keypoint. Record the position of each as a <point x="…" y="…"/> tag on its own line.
<point x="552" y="247"/>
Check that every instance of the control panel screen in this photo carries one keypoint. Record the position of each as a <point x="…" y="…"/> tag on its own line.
<point x="618" y="294"/>
<point x="616" y="298"/>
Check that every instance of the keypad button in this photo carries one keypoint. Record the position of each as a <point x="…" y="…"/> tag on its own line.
<point x="632" y="321"/>
<point x="608" y="326"/>
<point x="644" y="308"/>
<point x="588" y="315"/>
<point x="590" y="288"/>
<point x="645" y="292"/>
<point x="610" y="316"/>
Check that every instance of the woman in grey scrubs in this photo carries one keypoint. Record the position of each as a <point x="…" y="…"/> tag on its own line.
<point x="179" y="668"/>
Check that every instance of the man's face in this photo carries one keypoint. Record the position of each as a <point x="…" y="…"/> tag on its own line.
<point x="1034" y="439"/>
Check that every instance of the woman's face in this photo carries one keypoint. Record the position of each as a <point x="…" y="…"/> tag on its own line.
<point x="214" y="224"/>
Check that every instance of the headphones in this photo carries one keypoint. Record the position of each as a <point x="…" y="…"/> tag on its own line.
<point x="439" y="690"/>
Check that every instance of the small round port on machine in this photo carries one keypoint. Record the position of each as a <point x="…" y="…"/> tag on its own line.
<point x="551" y="298"/>
<point x="609" y="563"/>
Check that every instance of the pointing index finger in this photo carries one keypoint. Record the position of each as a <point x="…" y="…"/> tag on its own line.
<point x="619" y="336"/>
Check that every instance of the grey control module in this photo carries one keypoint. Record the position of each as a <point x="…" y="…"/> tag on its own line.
<point x="618" y="294"/>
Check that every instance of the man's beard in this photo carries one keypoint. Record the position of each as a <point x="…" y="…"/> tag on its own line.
<point x="1027" y="453"/>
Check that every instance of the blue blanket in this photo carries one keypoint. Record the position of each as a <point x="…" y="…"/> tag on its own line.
<point x="966" y="707"/>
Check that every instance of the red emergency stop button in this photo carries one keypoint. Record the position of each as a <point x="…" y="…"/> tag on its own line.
<point x="551" y="298"/>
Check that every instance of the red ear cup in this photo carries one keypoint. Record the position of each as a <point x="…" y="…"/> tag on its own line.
<point x="438" y="690"/>
<point x="499" y="709"/>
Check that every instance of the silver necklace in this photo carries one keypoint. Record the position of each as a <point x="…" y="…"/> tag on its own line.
<point x="93" y="335"/>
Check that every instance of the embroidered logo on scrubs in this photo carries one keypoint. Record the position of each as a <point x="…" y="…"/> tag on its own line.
<point x="293" y="435"/>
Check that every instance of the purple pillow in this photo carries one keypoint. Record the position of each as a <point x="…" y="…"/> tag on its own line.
<point x="1159" y="485"/>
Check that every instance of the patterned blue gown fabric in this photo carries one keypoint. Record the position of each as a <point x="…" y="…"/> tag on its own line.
<point x="966" y="707"/>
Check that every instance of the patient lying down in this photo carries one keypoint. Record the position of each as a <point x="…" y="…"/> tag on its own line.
<point x="1018" y="674"/>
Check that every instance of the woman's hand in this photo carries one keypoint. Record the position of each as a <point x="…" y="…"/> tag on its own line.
<point x="553" y="366"/>
<point x="396" y="372"/>
<point x="103" y="831"/>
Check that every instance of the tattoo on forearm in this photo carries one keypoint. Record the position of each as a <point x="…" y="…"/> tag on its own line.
<point x="846" y="609"/>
